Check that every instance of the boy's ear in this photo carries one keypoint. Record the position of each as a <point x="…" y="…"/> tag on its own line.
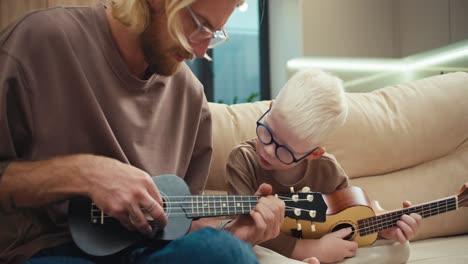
<point x="271" y="103"/>
<point x="316" y="154"/>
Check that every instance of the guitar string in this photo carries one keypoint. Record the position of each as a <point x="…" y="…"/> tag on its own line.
<point x="183" y="212"/>
<point x="392" y="219"/>
<point x="366" y="228"/>
<point x="202" y="203"/>
<point x="389" y="220"/>
<point x="284" y="198"/>
<point x="217" y="205"/>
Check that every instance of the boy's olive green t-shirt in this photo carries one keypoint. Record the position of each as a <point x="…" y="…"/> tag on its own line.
<point x="245" y="175"/>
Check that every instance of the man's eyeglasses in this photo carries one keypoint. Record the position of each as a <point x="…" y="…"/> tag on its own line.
<point x="203" y="33"/>
<point x="283" y="153"/>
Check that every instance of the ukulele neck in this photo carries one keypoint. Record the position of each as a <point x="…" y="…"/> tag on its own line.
<point x="385" y="221"/>
<point x="199" y="206"/>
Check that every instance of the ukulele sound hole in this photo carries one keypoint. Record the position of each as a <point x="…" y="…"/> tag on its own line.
<point x="345" y="225"/>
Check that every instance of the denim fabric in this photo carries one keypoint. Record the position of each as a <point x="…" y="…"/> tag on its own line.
<point x="206" y="245"/>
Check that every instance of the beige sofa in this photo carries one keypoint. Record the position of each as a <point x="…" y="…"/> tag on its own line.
<point x="402" y="142"/>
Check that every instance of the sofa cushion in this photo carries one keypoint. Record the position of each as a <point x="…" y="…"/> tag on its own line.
<point x="400" y="126"/>
<point x="440" y="250"/>
<point x="231" y="126"/>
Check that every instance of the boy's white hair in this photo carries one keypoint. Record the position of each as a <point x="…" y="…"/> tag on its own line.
<point x="135" y="14"/>
<point x="312" y="104"/>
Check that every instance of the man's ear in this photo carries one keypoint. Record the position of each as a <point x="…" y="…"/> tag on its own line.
<point x="316" y="154"/>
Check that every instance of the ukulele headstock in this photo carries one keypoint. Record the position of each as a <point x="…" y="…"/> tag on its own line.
<point x="305" y="205"/>
<point x="463" y="195"/>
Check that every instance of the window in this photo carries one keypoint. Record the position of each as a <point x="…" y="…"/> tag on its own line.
<point x="235" y="75"/>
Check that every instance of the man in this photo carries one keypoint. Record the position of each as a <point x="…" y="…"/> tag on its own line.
<point x="94" y="101"/>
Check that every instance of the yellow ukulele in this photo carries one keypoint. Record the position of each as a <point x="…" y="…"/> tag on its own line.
<point x="350" y="207"/>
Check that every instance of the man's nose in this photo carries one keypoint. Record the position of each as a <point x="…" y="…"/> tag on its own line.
<point x="200" y="48"/>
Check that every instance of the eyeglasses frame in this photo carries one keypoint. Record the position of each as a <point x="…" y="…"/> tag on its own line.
<point x="277" y="145"/>
<point x="220" y="35"/>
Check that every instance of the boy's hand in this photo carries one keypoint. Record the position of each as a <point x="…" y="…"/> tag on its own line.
<point x="264" y="221"/>
<point x="311" y="260"/>
<point x="407" y="227"/>
<point x="334" y="248"/>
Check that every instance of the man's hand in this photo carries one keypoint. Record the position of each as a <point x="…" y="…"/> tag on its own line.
<point x="407" y="226"/>
<point x="123" y="192"/>
<point x="264" y="221"/>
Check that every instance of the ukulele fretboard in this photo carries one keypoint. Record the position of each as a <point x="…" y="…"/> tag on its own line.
<point x="196" y="206"/>
<point x="385" y="221"/>
<point x="218" y="205"/>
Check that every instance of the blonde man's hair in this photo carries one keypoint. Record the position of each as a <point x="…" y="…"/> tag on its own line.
<point x="312" y="104"/>
<point x="135" y="14"/>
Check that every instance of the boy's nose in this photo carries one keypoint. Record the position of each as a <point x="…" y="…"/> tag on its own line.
<point x="270" y="150"/>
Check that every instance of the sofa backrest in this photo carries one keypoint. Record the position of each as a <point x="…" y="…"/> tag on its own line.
<point x="402" y="142"/>
<point x="404" y="125"/>
<point x="389" y="129"/>
<point x="231" y="126"/>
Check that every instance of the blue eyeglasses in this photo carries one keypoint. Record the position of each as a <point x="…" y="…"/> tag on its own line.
<point x="283" y="153"/>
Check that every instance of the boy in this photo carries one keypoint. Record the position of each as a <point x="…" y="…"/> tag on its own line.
<point x="287" y="153"/>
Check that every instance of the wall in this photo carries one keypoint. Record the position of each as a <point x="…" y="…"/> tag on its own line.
<point x="361" y="28"/>
<point x="285" y="24"/>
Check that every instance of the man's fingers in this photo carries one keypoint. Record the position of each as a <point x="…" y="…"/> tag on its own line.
<point x="154" y="192"/>
<point x="264" y="189"/>
<point x="156" y="212"/>
<point x="138" y="220"/>
<point x="265" y="212"/>
<point x="125" y="221"/>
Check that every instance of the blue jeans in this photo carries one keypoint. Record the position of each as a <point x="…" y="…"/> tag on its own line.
<point x="206" y="245"/>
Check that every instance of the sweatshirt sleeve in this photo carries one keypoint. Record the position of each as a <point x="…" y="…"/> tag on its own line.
<point x="15" y="115"/>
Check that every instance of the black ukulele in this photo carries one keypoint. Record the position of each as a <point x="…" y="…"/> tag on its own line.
<point x="100" y="235"/>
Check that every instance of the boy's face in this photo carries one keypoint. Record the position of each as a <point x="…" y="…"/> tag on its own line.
<point x="282" y="135"/>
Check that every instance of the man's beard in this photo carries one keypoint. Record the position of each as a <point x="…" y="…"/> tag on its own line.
<point x="161" y="60"/>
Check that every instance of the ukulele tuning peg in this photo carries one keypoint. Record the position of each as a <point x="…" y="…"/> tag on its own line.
<point x="310" y="197"/>
<point x="305" y="189"/>
<point x="299" y="227"/>
<point x="295" y="198"/>
<point x="312" y="213"/>
<point x="297" y="212"/>
<point x="291" y="189"/>
<point x="312" y="227"/>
